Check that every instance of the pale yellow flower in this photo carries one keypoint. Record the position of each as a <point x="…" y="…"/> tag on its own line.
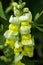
<point x="10" y="42"/>
<point x="27" y="40"/>
<point x="13" y="27"/>
<point x="20" y="63"/>
<point x="9" y="34"/>
<point x="17" y="51"/>
<point x="25" y="29"/>
<point x="26" y="37"/>
<point x="24" y="23"/>
<point x="28" y="51"/>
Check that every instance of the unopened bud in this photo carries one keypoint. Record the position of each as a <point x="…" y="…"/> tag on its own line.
<point x="26" y="10"/>
<point x="14" y="4"/>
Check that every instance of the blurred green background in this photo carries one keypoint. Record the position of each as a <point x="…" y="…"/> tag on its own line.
<point x="35" y="6"/>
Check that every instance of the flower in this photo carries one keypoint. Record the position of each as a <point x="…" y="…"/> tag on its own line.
<point x="17" y="51"/>
<point x="26" y="37"/>
<point x="13" y="27"/>
<point x="24" y="23"/>
<point x="23" y="43"/>
<point x="26" y="40"/>
<point x="17" y="44"/>
<point x="10" y="42"/>
<point x="26" y="17"/>
<point x="20" y="63"/>
<point x="28" y="51"/>
<point x="14" y="20"/>
<point x="25" y="29"/>
<point x="9" y="34"/>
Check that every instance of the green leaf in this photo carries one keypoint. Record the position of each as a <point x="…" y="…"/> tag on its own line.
<point x="2" y="39"/>
<point x="8" y="9"/>
<point x="36" y="16"/>
<point x="39" y="28"/>
<point x="2" y="15"/>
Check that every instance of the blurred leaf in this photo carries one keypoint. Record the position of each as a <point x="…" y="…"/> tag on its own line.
<point x="36" y="16"/>
<point x="39" y="20"/>
<point x="40" y="29"/>
<point x="2" y="15"/>
<point x="8" y="9"/>
<point x="2" y="40"/>
<point x="37" y="27"/>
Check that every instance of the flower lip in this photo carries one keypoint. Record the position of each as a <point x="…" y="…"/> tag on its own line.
<point x="14" y="20"/>
<point x="26" y="17"/>
<point x="25" y="29"/>
<point x="9" y="34"/>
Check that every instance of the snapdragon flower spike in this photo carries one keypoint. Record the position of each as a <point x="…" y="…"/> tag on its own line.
<point x="20" y="24"/>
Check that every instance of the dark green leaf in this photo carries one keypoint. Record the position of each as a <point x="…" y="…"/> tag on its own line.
<point x="2" y="15"/>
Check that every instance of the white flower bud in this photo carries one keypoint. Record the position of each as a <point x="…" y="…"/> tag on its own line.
<point x="14" y="4"/>
<point x="19" y="7"/>
<point x="14" y="8"/>
<point x="17" y="13"/>
<point x="26" y="10"/>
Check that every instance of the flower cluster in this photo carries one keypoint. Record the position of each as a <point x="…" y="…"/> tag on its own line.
<point x="19" y="35"/>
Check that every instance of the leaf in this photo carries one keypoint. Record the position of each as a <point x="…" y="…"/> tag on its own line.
<point x="2" y="39"/>
<point x="2" y="15"/>
<point x="8" y="9"/>
<point x="36" y="16"/>
<point x="39" y="28"/>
